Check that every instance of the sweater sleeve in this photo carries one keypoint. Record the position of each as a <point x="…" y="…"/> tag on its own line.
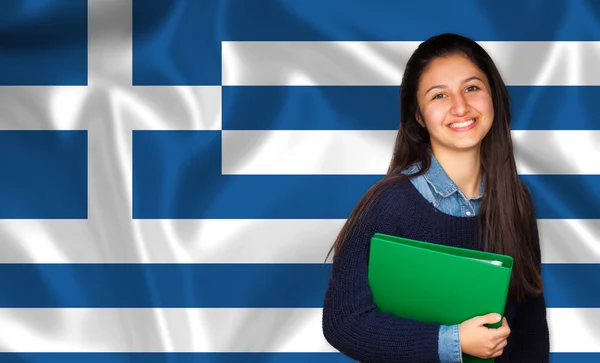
<point x="530" y="326"/>
<point x="351" y="321"/>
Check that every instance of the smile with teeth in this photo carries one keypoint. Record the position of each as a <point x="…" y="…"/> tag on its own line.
<point x="458" y="125"/>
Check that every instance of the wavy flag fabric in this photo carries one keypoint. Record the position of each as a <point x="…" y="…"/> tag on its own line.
<point x="174" y="172"/>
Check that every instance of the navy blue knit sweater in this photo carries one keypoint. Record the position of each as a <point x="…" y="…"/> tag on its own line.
<point x="353" y="325"/>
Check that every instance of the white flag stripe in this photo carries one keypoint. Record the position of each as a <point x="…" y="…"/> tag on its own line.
<point x="43" y="108"/>
<point x="276" y="152"/>
<point x="168" y="108"/>
<point x="307" y="152"/>
<point x="570" y="240"/>
<point x="170" y="241"/>
<point x="133" y="108"/>
<point x="557" y="151"/>
<point x="137" y="330"/>
<point x="234" y="241"/>
<point x="217" y="330"/>
<point x="574" y="330"/>
<point x="382" y="63"/>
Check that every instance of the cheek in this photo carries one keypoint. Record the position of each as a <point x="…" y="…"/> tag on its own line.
<point x="434" y="115"/>
<point x="483" y="105"/>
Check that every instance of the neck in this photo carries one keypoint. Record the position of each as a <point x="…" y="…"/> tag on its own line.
<point x="464" y="168"/>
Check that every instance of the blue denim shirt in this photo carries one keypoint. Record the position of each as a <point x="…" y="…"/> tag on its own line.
<point x="437" y="187"/>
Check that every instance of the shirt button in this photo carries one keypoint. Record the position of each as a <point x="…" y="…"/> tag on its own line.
<point x="468" y="213"/>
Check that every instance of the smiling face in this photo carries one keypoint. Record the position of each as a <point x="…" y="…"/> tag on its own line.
<point x="455" y="100"/>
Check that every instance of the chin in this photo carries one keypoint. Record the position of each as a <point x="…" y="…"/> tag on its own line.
<point x="467" y="142"/>
<point x="467" y="146"/>
<point x="458" y="144"/>
<point x="470" y="147"/>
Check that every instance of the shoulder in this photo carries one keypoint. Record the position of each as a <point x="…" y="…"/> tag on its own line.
<point x="393" y="197"/>
<point x="397" y="188"/>
<point x="384" y="209"/>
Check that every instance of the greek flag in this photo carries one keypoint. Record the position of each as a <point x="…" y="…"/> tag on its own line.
<point x="173" y="172"/>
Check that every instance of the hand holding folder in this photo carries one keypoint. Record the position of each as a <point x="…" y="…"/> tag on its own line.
<point x="437" y="283"/>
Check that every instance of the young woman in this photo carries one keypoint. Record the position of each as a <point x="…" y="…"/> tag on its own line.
<point x="452" y="180"/>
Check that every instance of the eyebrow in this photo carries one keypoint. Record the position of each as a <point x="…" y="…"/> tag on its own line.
<point x="463" y="81"/>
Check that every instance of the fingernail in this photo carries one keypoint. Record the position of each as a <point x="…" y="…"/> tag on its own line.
<point x="498" y="317"/>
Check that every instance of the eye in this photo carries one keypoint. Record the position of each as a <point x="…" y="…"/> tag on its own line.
<point x="438" y="96"/>
<point x="472" y="88"/>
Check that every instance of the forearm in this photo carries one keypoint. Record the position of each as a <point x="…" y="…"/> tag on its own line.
<point x="363" y="333"/>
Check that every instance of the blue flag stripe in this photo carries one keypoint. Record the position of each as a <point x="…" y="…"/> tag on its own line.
<point x="191" y="34"/>
<point x="222" y="285"/>
<point x="380" y="21"/>
<point x="44" y="44"/>
<point x="224" y="357"/>
<point x="377" y="108"/>
<point x="177" y="174"/>
<point x="44" y="174"/>
<point x="314" y="20"/>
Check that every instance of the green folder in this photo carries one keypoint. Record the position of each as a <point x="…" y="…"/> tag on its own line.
<point x="437" y="283"/>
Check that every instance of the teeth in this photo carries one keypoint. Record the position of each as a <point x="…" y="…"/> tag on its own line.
<point x="458" y="125"/>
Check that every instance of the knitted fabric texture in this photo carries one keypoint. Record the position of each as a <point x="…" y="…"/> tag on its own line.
<point x="353" y="325"/>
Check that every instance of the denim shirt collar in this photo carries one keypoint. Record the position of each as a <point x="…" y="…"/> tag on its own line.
<point x="441" y="182"/>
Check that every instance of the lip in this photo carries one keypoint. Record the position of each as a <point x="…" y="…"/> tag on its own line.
<point x="463" y="129"/>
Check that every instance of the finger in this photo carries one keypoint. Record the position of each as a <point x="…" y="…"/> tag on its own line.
<point x="497" y="353"/>
<point x="500" y="344"/>
<point x="488" y="319"/>
<point x="501" y="334"/>
<point x="499" y="349"/>
<point x="504" y="330"/>
<point x="504" y="323"/>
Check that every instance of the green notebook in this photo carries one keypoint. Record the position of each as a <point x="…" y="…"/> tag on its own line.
<point x="437" y="283"/>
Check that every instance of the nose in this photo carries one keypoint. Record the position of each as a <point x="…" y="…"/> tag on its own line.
<point x="460" y="105"/>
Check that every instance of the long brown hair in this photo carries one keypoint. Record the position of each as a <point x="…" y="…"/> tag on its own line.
<point x="507" y="223"/>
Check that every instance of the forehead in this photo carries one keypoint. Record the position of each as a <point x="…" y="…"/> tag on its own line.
<point x="450" y="69"/>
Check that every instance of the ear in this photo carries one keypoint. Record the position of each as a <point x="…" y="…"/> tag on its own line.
<point x="419" y="118"/>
